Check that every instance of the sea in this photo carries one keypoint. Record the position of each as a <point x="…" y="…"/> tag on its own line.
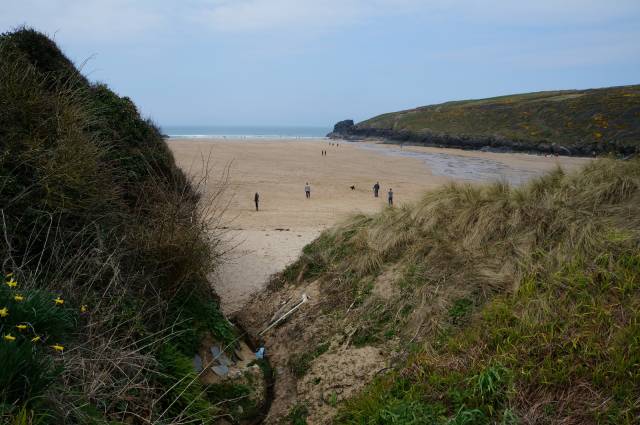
<point x="245" y="132"/>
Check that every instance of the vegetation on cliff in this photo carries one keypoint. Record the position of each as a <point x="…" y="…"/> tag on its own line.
<point x="494" y="304"/>
<point x="571" y="121"/>
<point x="104" y="255"/>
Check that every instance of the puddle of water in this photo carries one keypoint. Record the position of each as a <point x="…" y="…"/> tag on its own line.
<point x="461" y="167"/>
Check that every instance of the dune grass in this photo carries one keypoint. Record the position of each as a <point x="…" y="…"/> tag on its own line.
<point x="95" y="213"/>
<point x="511" y="305"/>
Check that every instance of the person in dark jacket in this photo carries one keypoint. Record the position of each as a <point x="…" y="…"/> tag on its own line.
<point x="256" y="199"/>
<point x="376" y="189"/>
<point x="390" y="197"/>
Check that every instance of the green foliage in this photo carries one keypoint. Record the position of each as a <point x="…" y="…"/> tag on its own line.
<point x="539" y="353"/>
<point x="185" y="396"/>
<point x="376" y="325"/>
<point x="436" y="398"/>
<point x="94" y="209"/>
<point x="460" y="310"/>
<point x="319" y="255"/>
<point x="235" y="398"/>
<point x="391" y="402"/>
<point x="194" y="316"/>
<point x="603" y="120"/>
<point x="38" y="311"/>
<point x="26" y="373"/>
<point x="298" y="415"/>
<point x="32" y="322"/>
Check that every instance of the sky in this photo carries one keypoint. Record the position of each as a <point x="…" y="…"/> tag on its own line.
<point x="315" y="62"/>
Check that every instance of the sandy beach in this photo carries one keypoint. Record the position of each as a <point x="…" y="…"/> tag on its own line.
<point x="264" y="242"/>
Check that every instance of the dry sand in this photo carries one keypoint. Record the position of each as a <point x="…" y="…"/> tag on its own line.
<point x="265" y="242"/>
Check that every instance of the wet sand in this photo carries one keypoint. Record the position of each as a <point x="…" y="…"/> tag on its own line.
<point x="264" y="242"/>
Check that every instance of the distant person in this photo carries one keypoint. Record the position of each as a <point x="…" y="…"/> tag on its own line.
<point x="376" y="189"/>
<point x="256" y="199"/>
<point x="307" y="190"/>
<point x="390" y="197"/>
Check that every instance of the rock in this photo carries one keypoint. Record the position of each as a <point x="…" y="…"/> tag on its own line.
<point x="221" y="370"/>
<point x="349" y="131"/>
<point x="197" y="363"/>
<point x="342" y="128"/>
<point x="220" y="356"/>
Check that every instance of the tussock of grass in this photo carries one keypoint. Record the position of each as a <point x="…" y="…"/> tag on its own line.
<point x="533" y="289"/>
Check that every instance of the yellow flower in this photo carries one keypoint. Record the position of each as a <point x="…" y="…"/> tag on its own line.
<point x="4" y="312"/>
<point x="58" y="347"/>
<point x="58" y="301"/>
<point x="35" y="339"/>
<point x="12" y="283"/>
<point x="83" y="308"/>
<point x="18" y="298"/>
<point x="21" y="327"/>
<point x="9" y="337"/>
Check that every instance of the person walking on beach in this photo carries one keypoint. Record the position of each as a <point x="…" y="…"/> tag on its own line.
<point x="390" y="197"/>
<point x="307" y="190"/>
<point x="256" y="199"/>
<point x="376" y="189"/>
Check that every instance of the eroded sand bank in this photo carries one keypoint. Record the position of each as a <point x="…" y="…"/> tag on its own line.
<point x="265" y="242"/>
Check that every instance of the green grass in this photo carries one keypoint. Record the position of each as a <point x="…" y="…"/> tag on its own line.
<point x="186" y="397"/>
<point x="609" y="116"/>
<point x="512" y="305"/>
<point x="581" y="362"/>
<point x="460" y="310"/>
<point x="297" y="415"/>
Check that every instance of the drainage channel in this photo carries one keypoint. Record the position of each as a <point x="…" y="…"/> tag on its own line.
<point x="268" y="372"/>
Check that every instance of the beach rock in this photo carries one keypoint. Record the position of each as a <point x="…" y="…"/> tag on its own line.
<point x="341" y="128"/>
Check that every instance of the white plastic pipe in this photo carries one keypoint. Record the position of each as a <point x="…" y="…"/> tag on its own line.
<point x="287" y="314"/>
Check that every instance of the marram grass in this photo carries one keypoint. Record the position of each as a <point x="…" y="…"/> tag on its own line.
<point x="512" y="305"/>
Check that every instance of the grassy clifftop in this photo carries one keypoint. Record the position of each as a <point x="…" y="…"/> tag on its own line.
<point x="581" y="121"/>
<point x="104" y="255"/>
<point x="491" y="305"/>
